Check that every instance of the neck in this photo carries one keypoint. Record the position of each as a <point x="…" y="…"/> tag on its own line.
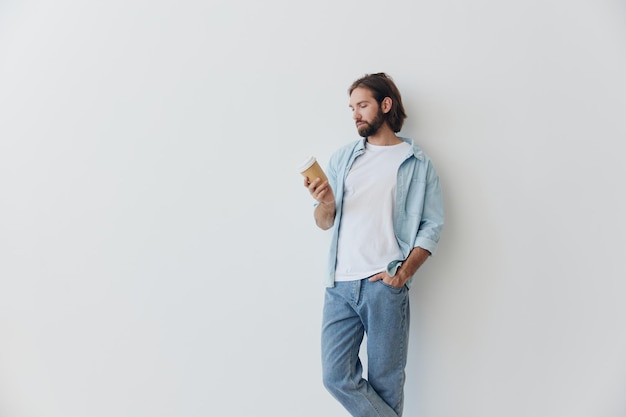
<point x="384" y="137"/>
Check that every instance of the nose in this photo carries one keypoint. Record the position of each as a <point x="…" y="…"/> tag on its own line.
<point x="356" y="115"/>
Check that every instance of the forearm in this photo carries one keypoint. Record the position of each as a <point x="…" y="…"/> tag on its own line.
<point x="412" y="263"/>
<point x="325" y="215"/>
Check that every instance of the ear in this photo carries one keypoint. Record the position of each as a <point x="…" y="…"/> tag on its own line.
<point x="385" y="105"/>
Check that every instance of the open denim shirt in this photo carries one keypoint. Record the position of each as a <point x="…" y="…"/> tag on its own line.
<point x="418" y="213"/>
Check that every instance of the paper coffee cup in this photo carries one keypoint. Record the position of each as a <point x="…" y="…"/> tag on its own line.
<point x="311" y="169"/>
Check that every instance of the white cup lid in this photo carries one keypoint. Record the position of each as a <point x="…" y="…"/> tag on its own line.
<point x="306" y="164"/>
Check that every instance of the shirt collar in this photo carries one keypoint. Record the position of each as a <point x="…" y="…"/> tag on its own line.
<point x="417" y="151"/>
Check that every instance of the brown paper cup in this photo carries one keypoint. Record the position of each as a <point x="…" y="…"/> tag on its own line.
<point x="311" y="170"/>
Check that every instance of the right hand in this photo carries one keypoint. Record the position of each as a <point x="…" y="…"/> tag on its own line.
<point x="320" y="191"/>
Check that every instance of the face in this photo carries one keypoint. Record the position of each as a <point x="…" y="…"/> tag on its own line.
<point x="367" y="114"/>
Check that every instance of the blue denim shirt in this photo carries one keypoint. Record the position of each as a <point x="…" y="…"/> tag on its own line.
<point x="418" y="213"/>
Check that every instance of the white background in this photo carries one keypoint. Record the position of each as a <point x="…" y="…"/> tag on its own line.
<point x="158" y="255"/>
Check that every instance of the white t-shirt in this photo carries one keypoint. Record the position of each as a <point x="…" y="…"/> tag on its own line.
<point x="367" y="242"/>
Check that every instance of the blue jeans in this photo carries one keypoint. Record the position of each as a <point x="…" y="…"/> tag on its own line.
<point x="352" y="309"/>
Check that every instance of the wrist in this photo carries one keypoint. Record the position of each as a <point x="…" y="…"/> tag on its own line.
<point x="402" y="276"/>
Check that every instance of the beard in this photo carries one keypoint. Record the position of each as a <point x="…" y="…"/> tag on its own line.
<point x="370" y="128"/>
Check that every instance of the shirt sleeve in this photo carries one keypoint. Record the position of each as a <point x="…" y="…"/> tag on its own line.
<point x="432" y="219"/>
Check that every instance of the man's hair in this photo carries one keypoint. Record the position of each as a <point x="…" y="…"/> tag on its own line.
<point x="381" y="85"/>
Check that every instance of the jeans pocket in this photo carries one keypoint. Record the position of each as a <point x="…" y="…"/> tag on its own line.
<point x="395" y="290"/>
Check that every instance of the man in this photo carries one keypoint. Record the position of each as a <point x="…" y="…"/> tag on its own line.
<point x="383" y="201"/>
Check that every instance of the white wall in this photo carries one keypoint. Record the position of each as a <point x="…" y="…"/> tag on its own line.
<point x="157" y="251"/>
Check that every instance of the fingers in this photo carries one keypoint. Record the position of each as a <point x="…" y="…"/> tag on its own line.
<point x="320" y="190"/>
<point x="384" y="277"/>
<point x="377" y="277"/>
<point x="310" y="184"/>
<point x="317" y="187"/>
<point x="317" y="183"/>
<point x="319" y="194"/>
